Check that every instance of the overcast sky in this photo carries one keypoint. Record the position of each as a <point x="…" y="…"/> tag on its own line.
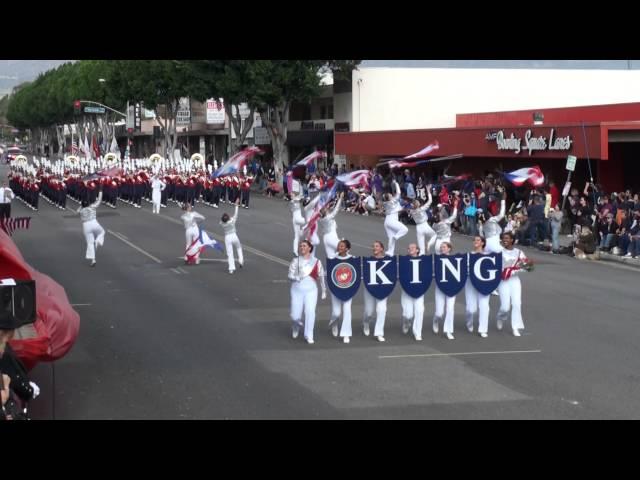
<point x="569" y="64"/>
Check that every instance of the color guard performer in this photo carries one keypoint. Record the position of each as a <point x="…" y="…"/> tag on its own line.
<point x="231" y="238"/>
<point x="394" y="228"/>
<point x="93" y="231"/>
<point x="474" y="300"/>
<point x="510" y="288"/>
<point x="304" y="271"/>
<point x="190" y="221"/>
<point x="373" y="305"/>
<point x="412" y="308"/>
<point x="443" y="300"/>
<point x="337" y="305"/>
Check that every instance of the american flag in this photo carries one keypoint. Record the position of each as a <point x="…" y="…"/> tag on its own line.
<point x="424" y="152"/>
<point x="309" y="159"/>
<point x="236" y="162"/>
<point x="533" y="175"/>
<point x="9" y="225"/>
<point x="74" y="148"/>
<point x="354" y="179"/>
<point x="325" y="198"/>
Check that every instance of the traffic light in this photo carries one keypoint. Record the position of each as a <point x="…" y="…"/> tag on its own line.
<point x="77" y="107"/>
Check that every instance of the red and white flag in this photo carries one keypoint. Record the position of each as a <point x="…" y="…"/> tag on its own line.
<point x="424" y="152"/>
<point x="9" y="225"/>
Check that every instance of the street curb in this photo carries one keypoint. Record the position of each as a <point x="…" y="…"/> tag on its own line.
<point x="632" y="262"/>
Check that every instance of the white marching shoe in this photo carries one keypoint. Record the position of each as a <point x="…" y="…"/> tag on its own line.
<point x="345" y="340"/>
<point x="334" y="329"/>
<point x="295" y="331"/>
<point x="450" y="336"/>
<point x="380" y="338"/>
<point x="310" y="341"/>
<point x="483" y="335"/>
<point x="365" y="329"/>
<point x="516" y="333"/>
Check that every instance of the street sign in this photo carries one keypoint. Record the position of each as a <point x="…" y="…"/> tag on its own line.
<point x="130" y="117"/>
<point x="571" y="163"/>
<point x="88" y="109"/>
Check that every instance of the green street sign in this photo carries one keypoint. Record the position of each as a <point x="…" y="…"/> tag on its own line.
<point x="88" y="109"/>
<point x="571" y="163"/>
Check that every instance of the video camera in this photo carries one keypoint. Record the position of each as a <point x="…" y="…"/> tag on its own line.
<point x="17" y="303"/>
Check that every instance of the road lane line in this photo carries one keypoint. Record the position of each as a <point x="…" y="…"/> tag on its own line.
<point x="119" y="237"/>
<point x="459" y="354"/>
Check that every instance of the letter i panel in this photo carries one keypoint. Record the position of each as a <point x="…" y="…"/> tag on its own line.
<point x="415" y="274"/>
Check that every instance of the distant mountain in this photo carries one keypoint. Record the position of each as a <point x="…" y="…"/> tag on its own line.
<point x="14" y="72"/>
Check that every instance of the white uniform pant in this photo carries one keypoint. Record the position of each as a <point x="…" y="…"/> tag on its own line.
<point x="424" y="231"/>
<point x="231" y="240"/>
<point x="304" y="296"/>
<point x="336" y="306"/>
<point x="395" y="230"/>
<point x="441" y="300"/>
<point x="155" y="198"/>
<point x="371" y="305"/>
<point x="298" y="223"/>
<point x="190" y="234"/>
<point x="475" y="302"/>
<point x="330" y="241"/>
<point x="493" y="244"/>
<point x="94" y="235"/>
<point x="315" y="239"/>
<point x="413" y="309"/>
<point x="511" y="298"/>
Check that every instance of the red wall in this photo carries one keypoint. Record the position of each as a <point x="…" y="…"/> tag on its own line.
<point x="587" y="114"/>
<point x="468" y="141"/>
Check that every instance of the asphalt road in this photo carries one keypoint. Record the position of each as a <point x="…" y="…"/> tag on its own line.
<point x="161" y="340"/>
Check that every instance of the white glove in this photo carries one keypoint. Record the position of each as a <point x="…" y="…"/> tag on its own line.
<point x="324" y="295"/>
<point x="36" y="389"/>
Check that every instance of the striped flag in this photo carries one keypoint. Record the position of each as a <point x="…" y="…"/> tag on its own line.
<point x="325" y="198"/>
<point x="309" y="159"/>
<point x="9" y="225"/>
<point x="354" y="179"/>
<point x="533" y="175"/>
<point x="424" y="152"/>
<point x="199" y="245"/>
<point x="236" y="162"/>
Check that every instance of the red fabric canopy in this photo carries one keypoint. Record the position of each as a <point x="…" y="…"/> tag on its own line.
<point x="57" y="323"/>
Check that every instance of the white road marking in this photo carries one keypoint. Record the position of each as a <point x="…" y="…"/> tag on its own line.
<point x="120" y="237"/>
<point x="184" y="272"/>
<point x="81" y="304"/>
<point x="459" y="354"/>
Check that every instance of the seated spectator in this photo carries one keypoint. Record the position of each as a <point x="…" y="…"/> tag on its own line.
<point x="632" y="236"/>
<point x="586" y="244"/>
<point x="607" y="230"/>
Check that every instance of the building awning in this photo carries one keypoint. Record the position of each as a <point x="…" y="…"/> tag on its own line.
<point x="309" y="138"/>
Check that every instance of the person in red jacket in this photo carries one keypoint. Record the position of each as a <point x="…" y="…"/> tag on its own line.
<point x="245" y="187"/>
